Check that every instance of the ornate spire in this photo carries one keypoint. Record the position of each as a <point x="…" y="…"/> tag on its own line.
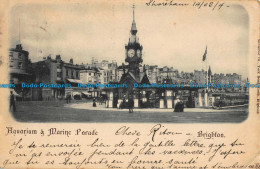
<point x="209" y="71"/>
<point x="133" y="28"/>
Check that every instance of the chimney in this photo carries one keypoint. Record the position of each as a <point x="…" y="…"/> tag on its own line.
<point x="71" y="61"/>
<point x="58" y="58"/>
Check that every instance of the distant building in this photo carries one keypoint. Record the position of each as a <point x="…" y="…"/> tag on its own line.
<point x="91" y="77"/>
<point x="152" y="73"/>
<point x="200" y="76"/>
<point x="227" y="79"/>
<point x="68" y="70"/>
<point x="167" y="72"/>
<point x="108" y="70"/>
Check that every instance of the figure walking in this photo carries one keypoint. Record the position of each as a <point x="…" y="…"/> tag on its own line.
<point x="12" y="101"/>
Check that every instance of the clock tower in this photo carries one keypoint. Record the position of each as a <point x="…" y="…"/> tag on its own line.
<point x="133" y="50"/>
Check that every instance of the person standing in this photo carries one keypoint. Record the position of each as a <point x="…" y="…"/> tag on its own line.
<point x="68" y="98"/>
<point x="177" y="107"/>
<point x="94" y="102"/>
<point x="12" y="101"/>
<point x="131" y="105"/>
<point x="123" y="103"/>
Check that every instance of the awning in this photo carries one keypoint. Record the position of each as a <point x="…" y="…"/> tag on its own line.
<point x="74" y="80"/>
<point x="78" y="81"/>
<point x="20" y="73"/>
<point x="76" y="93"/>
<point x="86" y="93"/>
<point x="14" y="92"/>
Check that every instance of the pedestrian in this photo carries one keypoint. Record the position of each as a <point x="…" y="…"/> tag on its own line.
<point x="119" y="104"/>
<point x="131" y="105"/>
<point x="123" y="105"/>
<point x="94" y="102"/>
<point x="12" y="101"/>
<point x="178" y="105"/>
<point x="68" y="98"/>
<point x="181" y="106"/>
<point x="100" y="100"/>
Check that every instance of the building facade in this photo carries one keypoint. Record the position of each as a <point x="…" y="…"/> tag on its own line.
<point x="56" y="71"/>
<point x="20" y="71"/>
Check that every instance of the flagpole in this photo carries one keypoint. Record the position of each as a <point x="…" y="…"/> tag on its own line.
<point x="19" y="33"/>
<point x="207" y="74"/>
<point x="207" y="71"/>
<point x="206" y="64"/>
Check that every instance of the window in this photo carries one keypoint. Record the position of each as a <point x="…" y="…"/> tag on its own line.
<point x="89" y="74"/>
<point x="67" y="73"/>
<point x="71" y="72"/>
<point x="58" y="74"/>
<point x="20" y="64"/>
<point x="19" y="55"/>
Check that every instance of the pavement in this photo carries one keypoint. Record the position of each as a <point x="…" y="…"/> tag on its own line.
<point x="88" y="106"/>
<point x="83" y="111"/>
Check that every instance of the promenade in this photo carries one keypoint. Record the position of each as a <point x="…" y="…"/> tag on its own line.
<point x="83" y="111"/>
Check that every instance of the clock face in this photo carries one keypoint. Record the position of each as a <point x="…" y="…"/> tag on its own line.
<point x="131" y="53"/>
<point x="138" y="52"/>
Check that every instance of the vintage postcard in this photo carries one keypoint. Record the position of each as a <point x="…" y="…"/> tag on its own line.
<point x="160" y="84"/>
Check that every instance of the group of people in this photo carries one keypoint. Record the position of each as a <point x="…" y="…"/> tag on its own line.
<point x="122" y="104"/>
<point x="179" y="105"/>
<point x="101" y="100"/>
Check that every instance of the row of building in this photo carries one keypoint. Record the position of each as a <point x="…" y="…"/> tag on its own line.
<point x="54" y="70"/>
<point x="57" y="71"/>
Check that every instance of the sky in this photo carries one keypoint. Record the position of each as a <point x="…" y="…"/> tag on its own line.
<point x="170" y="36"/>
